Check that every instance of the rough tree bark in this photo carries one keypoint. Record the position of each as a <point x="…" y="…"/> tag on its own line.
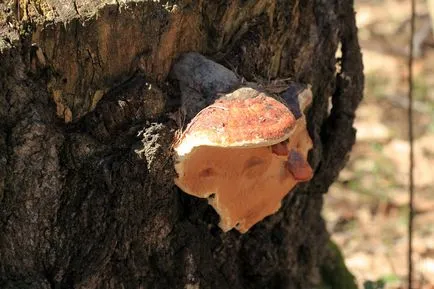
<point x="87" y="198"/>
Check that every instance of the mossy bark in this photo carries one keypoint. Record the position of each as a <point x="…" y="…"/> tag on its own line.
<point x="334" y="273"/>
<point x="87" y="198"/>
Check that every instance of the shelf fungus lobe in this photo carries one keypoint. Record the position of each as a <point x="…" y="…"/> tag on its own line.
<point x="244" y="153"/>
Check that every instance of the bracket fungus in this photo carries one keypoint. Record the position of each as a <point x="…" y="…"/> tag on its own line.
<point x="244" y="153"/>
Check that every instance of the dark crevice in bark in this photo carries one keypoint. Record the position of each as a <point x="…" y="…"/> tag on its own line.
<point x="338" y="134"/>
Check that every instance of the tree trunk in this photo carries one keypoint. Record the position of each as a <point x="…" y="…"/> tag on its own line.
<point x="87" y="198"/>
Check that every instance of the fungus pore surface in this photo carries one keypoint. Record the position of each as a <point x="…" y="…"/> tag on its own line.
<point x="244" y="153"/>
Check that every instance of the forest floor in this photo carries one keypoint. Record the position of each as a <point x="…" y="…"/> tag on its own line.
<point x="367" y="208"/>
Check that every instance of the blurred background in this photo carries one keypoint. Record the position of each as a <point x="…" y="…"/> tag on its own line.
<point x="366" y="209"/>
